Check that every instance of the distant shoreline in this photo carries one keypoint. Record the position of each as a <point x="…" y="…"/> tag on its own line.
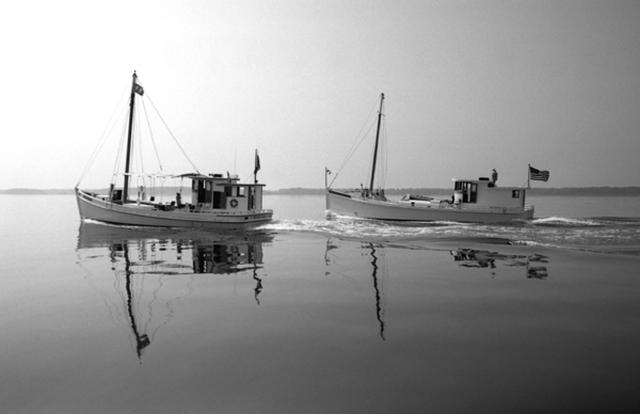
<point x="562" y="191"/>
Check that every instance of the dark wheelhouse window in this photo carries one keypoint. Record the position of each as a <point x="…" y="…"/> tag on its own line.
<point x="515" y="194"/>
<point x="469" y="191"/>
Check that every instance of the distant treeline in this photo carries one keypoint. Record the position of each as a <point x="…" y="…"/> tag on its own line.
<point x="568" y="191"/>
<point x="33" y="191"/>
<point x="565" y="191"/>
<point x="587" y="191"/>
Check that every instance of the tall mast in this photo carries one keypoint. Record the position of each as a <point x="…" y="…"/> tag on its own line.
<point x="375" y="149"/>
<point x="132" y="101"/>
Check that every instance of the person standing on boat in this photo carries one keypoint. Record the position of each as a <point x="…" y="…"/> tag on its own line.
<point x="494" y="177"/>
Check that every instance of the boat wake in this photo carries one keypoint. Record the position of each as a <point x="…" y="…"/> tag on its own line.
<point x="362" y="228"/>
<point x="373" y="230"/>
<point x="565" y="222"/>
<point x="586" y="221"/>
<point x="596" y="234"/>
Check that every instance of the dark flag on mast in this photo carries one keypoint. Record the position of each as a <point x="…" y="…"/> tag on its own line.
<point x="256" y="167"/>
<point x="138" y="89"/>
<point x="257" y="164"/>
<point x="538" y="175"/>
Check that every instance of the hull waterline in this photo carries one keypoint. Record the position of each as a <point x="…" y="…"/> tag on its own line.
<point x="132" y="214"/>
<point x="344" y="204"/>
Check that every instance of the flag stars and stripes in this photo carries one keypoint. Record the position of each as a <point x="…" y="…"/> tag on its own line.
<point x="538" y="175"/>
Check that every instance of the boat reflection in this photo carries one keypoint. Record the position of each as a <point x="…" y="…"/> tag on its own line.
<point x="374" y="251"/>
<point x="377" y="287"/>
<point x="142" y="258"/>
<point x="535" y="264"/>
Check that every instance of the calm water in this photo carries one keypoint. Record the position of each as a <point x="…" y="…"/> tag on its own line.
<point x="309" y="315"/>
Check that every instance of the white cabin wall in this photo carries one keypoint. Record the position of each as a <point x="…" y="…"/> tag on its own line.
<point x="258" y="198"/>
<point x="498" y="196"/>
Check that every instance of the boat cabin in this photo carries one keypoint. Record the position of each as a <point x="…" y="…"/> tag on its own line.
<point x="214" y="191"/>
<point x="484" y="193"/>
<point x="208" y="192"/>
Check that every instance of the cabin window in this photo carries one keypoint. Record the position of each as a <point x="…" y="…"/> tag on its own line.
<point x="252" y="198"/>
<point x="203" y="191"/>
<point x="469" y="191"/>
<point x="200" y="190"/>
<point x="240" y="191"/>
<point x="515" y="194"/>
<point x="219" y="199"/>
<point x="228" y="190"/>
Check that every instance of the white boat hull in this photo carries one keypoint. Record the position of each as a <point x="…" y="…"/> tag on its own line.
<point x="132" y="214"/>
<point x="344" y="204"/>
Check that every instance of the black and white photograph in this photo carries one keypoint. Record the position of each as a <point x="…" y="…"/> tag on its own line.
<point x="320" y="206"/>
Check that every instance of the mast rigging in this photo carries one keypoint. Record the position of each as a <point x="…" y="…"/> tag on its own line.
<point x="135" y="88"/>
<point x="375" y="149"/>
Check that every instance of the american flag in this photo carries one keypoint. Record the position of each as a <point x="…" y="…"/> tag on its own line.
<point x="538" y="175"/>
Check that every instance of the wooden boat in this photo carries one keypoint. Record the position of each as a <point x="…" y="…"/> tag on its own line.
<point x="472" y="200"/>
<point x="217" y="201"/>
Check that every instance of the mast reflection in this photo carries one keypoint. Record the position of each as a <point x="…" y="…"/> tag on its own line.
<point x="374" y="276"/>
<point x="142" y="340"/>
<point x="140" y="257"/>
<point x="377" y="280"/>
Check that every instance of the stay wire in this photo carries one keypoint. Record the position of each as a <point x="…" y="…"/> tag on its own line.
<point x="153" y="141"/>
<point x="382" y="154"/>
<point x="384" y="170"/>
<point x="118" y="160"/>
<point x="172" y="136"/>
<point x="138" y="148"/>
<point x="355" y="146"/>
<point x="102" y="140"/>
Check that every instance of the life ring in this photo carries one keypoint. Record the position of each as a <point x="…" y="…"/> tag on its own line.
<point x="233" y="203"/>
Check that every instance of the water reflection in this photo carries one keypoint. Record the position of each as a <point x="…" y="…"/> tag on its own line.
<point x="535" y="264"/>
<point x="374" y="252"/>
<point x="141" y="259"/>
<point x="377" y="288"/>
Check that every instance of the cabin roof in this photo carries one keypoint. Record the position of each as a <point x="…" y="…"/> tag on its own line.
<point x="486" y="180"/>
<point x="199" y="176"/>
<point x="475" y="180"/>
<point x="218" y="178"/>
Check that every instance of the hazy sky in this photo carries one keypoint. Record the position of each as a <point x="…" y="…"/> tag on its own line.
<point x="470" y="86"/>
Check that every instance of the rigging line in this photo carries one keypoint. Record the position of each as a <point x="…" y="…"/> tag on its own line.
<point x="102" y="140"/>
<point x="153" y="141"/>
<point x="172" y="136"/>
<point x="373" y="108"/>
<point x="382" y="153"/>
<point x="356" y="145"/>
<point x="352" y="152"/>
<point x="170" y="313"/>
<point x="381" y="156"/>
<point x="92" y="158"/>
<point x="154" y="297"/>
<point x="118" y="160"/>
<point x="385" y="154"/>
<point x="139" y="147"/>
